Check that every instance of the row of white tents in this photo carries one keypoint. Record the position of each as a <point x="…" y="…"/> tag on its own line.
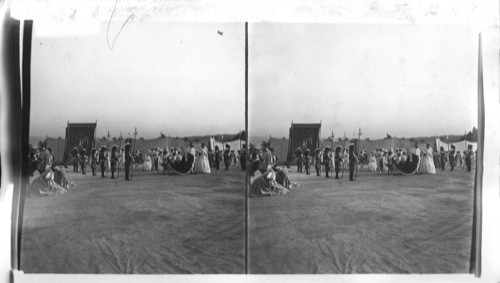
<point x="459" y="146"/>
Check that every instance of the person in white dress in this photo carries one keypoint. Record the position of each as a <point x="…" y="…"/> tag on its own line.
<point x="372" y="165"/>
<point x="427" y="166"/>
<point x="147" y="163"/>
<point x="202" y="165"/>
<point x="121" y="163"/>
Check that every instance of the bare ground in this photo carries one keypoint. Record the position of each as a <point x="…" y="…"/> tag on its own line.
<point x="377" y="224"/>
<point x="153" y="224"/>
<point x="195" y="224"/>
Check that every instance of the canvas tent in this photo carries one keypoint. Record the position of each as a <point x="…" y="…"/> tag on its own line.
<point x="235" y="144"/>
<point x="459" y="146"/>
<point x="303" y="136"/>
<point x="81" y="135"/>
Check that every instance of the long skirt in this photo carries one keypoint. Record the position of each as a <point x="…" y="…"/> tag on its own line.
<point x="263" y="187"/>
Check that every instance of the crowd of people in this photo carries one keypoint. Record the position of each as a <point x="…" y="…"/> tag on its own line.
<point x="274" y="180"/>
<point x="159" y="160"/>
<point x="52" y="180"/>
<point x="382" y="160"/>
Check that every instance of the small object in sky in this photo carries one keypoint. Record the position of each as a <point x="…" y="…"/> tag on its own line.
<point x="219" y="32"/>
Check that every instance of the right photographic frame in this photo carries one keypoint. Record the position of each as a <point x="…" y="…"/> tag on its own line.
<point x="362" y="144"/>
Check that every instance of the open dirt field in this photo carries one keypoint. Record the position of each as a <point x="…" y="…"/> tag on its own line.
<point x="153" y="224"/>
<point x="377" y="224"/>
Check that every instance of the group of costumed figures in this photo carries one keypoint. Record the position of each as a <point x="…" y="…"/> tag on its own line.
<point x="203" y="159"/>
<point x="175" y="161"/>
<point x="275" y="181"/>
<point x="53" y="179"/>
<point x="382" y="160"/>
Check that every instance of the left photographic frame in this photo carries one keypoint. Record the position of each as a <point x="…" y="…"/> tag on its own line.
<point x="135" y="144"/>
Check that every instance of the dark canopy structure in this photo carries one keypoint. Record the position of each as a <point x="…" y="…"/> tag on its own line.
<point x="280" y="147"/>
<point x="80" y="135"/>
<point x="303" y="136"/>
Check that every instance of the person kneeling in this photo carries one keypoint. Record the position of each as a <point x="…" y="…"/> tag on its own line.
<point x="266" y="185"/>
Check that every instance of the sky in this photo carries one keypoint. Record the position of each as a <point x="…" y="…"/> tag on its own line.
<point x="181" y="79"/>
<point x="405" y="80"/>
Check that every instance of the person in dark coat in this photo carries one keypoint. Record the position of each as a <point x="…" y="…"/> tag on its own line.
<point x="468" y="158"/>
<point x="338" y="161"/>
<point x="318" y="161"/>
<point x="243" y="158"/>
<point x="255" y="162"/>
<point x="327" y="160"/>
<point x="300" y="159"/>
<point x="442" y="160"/>
<point x="83" y="160"/>
<point x="307" y="160"/>
<point x="114" y="160"/>
<point x="451" y="158"/>
<point x="227" y="156"/>
<point x="352" y="162"/>
<point x="103" y="160"/>
<point x="93" y="160"/>
<point x="75" y="157"/>
<point x="217" y="157"/>
<point x="129" y="160"/>
<point x="211" y="158"/>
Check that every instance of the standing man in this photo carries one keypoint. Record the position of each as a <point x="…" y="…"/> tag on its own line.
<point x="74" y="155"/>
<point x="155" y="160"/>
<point x="468" y="158"/>
<point x="300" y="159"/>
<point x="327" y="159"/>
<point x="352" y="162"/>
<point x="129" y="159"/>
<point x="451" y="158"/>
<point x="338" y="161"/>
<point x="243" y="158"/>
<point x="114" y="160"/>
<point x="103" y="160"/>
<point x="307" y="160"/>
<point x="83" y="160"/>
<point x="211" y="160"/>
<point x="317" y="161"/>
<point x="218" y="157"/>
<point x="267" y="159"/>
<point x="227" y="156"/>
<point x="442" y="156"/>
<point x="415" y="151"/>
<point x="93" y="160"/>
